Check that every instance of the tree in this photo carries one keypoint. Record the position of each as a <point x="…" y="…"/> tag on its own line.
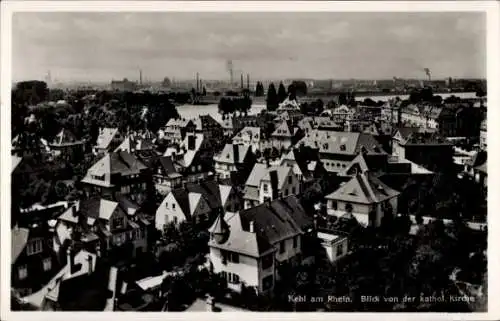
<point x="292" y="91"/>
<point x="281" y="93"/>
<point x="259" y="89"/>
<point x="342" y="99"/>
<point x="272" y="98"/>
<point x="300" y="87"/>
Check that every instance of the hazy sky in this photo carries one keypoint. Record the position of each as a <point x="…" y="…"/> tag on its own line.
<point x="101" y="46"/>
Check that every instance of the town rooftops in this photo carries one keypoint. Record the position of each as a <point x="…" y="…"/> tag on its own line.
<point x="271" y="223"/>
<point x="19" y="238"/>
<point x="134" y="143"/>
<point x="283" y="130"/>
<point x="347" y="143"/>
<point x="65" y="138"/>
<point x="119" y="162"/>
<point x="16" y="160"/>
<point x="363" y="188"/>
<point x="228" y="154"/>
<point x="252" y="132"/>
<point x="106" y="136"/>
<point x="260" y="172"/>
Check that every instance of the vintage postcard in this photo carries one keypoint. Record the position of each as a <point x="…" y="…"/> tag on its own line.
<point x="318" y="157"/>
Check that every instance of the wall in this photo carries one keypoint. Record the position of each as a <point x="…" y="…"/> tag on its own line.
<point x="247" y="269"/>
<point x="331" y="248"/>
<point x="290" y="252"/>
<point x="165" y="214"/>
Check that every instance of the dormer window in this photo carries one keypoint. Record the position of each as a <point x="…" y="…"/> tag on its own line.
<point x="342" y="147"/>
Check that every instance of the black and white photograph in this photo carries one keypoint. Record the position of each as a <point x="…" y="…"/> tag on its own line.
<point x="246" y="161"/>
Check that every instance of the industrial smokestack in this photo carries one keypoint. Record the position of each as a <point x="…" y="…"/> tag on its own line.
<point x="248" y="81"/>
<point x="140" y="77"/>
<point x="229" y="67"/>
<point x="428" y="73"/>
<point x="197" y="82"/>
<point x="241" y="81"/>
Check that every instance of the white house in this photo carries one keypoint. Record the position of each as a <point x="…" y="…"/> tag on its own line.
<point x="268" y="183"/>
<point x="196" y="203"/>
<point x="251" y="136"/>
<point x="365" y="197"/>
<point x="232" y="159"/>
<point x="247" y="247"/>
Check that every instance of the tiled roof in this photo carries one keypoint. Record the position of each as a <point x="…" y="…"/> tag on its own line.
<point x="348" y="143"/>
<point x="282" y="171"/>
<point x="117" y="162"/>
<point x="253" y="132"/>
<point x="65" y="137"/>
<point x="19" y="240"/>
<point x="258" y="171"/>
<point x="227" y="154"/>
<point x="281" y="219"/>
<point x="363" y="188"/>
<point x="134" y="143"/>
<point x="105" y="137"/>
<point x="283" y="130"/>
<point x="16" y="160"/>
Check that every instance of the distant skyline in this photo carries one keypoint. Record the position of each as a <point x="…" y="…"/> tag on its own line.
<point x="104" y="46"/>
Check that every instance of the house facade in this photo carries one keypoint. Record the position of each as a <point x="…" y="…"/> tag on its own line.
<point x="234" y="159"/>
<point x="366" y="198"/>
<point x="102" y="225"/>
<point x="268" y="183"/>
<point x="107" y="141"/>
<point x="249" y="246"/>
<point x="252" y="137"/>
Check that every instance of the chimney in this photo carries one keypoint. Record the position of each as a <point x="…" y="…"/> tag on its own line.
<point x="248" y="81"/>
<point x="191" y="142"/>
<point x="236" y="153"/>
<point x="74" y="210"/>
<point x="98" y="250"/>
<point x="90" y="259"/>
<point x="242" y="81"/>
<point x="252" y="227"/>
<point x="210" y="303"/>
<point x="71" y="259"/>
<point x="274" y="183"/>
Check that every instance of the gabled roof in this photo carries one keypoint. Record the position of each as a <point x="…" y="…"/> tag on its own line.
<point x="258" y="172"/>
<point x="365" y="189"/>
<point x="182" y="198"/>
<point x="479" y="158"/>
<point x="117" y="162"/>
<point x="227" y="154"/>
<point x="483" y="168"/>
<point x="253" y="132"/>
<point x="19" y="238"/>
<point x="281" y="219"/>
<point x="360" y="161"/>
<point x="282" y="171"/>
<point x="166" y="164"/>
<point x="16" y="160"/>
<point x="225" y="191"/>
<point x="65" y="137"/>
<point x="105" y="137"/>
<point x="205" y="121"/>
<point x="132" y="144"/>
<point x="194" y="199"/>
<point x="283" y="130"/>
<point x="348" y="143"/>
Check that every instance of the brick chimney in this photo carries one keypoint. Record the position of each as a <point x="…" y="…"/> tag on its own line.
<point x="191" y="142"/>
<point x="274" y="183"/>
<point x="236" y="153"/>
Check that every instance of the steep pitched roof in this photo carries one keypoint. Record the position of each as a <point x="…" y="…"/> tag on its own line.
<point x="274" y="222"/>
<point x="19" y="238"/>
<point x="182" y="198"/>
<point x="283" y="130"/>
<point x="65" y="137"/>
<point x="134" y="143"/>
<point x="360" y="161"/>
<point x="105" y="137"/>
<point x="348" y="143"/>
<point x="282" y="171"/>
<point x="117" y="162"/>
<point x="16" y="160"/>
<point x="363" y="188"/>
<point x="258" y="171"/>
<point x="227" y="154"/>
<point x="253" y="132"/>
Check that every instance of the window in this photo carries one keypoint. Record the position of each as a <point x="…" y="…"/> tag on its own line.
<point x="282" y="247"/>
<point x="340" y="250"/>
<point x="267" y="282"/>
<point x="119" y="222"/>
<point x="295" y="241"/>
<point x="173" y="206"/>
<point x="166" y="204"/>
<point x="199" y="167"/>
<point x="286" y="192"/>
<point x="22" y="272"/>
<point x="333" y="205"/>
<point x="230" y="256"/>
<point x="175" y="220"/>
<point x="34" y="247"/>
<point x="267" y="261"/>
<point x="289" y="179"/>
<point x="265" y="188"/>
<point x="231" y="277"/>
<point x="47" y="264"/>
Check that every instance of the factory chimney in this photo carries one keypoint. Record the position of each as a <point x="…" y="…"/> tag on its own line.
<point x="248" y="81"/>
<point x="241" y="81"/>
<point x="197" y="82"/>
<point x="140" y="76"/>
